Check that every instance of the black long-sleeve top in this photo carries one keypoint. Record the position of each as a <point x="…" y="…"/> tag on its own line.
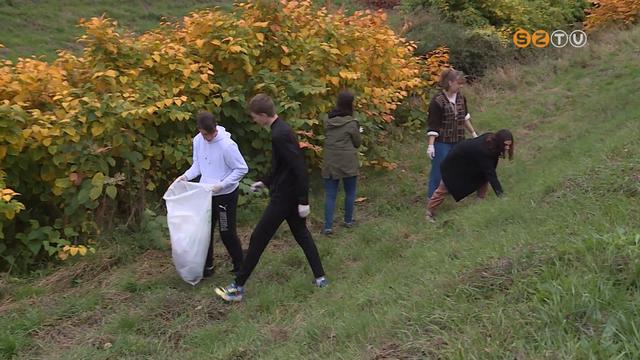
<point x="288" y="176"/>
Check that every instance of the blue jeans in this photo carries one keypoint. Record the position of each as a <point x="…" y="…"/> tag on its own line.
<point x="442" y="150"/>
<point x="331" y="193"/>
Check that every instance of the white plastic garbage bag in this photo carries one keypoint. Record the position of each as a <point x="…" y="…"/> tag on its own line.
<point x="189" y="219"/>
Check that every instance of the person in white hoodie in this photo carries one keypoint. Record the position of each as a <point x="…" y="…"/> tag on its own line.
<point x="220" y="165"/>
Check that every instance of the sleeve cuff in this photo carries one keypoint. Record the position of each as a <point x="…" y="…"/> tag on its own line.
<point x="433" y="133"/>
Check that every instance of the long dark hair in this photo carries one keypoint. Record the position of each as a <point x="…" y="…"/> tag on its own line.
<point x="496" y="143"/>
<point x="344" y="104"/>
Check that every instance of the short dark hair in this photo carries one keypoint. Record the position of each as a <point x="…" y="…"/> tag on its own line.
<point x="206" y="121"/>
<point x="262" y="104"/>
<point x="344" y="103"/>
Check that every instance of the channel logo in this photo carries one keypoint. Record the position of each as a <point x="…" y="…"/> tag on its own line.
<point x="541" y="39"/>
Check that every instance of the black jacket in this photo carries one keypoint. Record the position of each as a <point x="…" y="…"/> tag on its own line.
<point x="469" y="165"/>
<point x="288" y="177"/>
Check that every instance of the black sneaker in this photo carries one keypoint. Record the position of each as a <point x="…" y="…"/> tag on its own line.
<point x="208" y="271"/>
<point x="350" y="224"/>
<point x="320" y="282"/>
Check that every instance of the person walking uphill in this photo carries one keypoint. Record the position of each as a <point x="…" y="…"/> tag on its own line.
<point x="342" y="134"/>
<point x="288" y="190"/>
<point x="217" y="160"/>
<point x="448" y="118"/>
<point x="470" y="167"/>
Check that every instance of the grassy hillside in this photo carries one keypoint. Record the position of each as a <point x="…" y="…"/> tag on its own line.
<point x="41" y="27"/>
<point x="30" y="27"/>
<point x="551" y="271"/>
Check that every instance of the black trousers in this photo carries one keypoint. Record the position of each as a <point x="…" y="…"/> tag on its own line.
<point x="279" y="210"/>
<point x="224" y="211"/>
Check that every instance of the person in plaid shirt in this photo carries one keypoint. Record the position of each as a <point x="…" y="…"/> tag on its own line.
<point x="447" y="121"/>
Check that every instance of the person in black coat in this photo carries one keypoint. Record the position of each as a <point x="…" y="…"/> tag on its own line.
<point x="470" y="167"/>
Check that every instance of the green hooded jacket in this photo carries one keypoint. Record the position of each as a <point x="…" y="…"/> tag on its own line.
<point x="342" y="138"/>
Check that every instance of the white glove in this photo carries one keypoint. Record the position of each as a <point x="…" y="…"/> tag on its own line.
<point x="215" y="188"/>
<point x="474" y="134"/>
<point x="360" y="129"/>
<point x="431" y="150"/>
<point x="257" y="186"/>
<point x="304" y="210"/>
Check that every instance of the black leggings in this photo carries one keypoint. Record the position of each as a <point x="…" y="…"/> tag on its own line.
<point x="224" y="210"/>
<point x="279" y="210"/>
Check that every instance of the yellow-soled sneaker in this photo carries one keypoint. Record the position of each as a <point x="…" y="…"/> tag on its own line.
<point x="232" y="292"/>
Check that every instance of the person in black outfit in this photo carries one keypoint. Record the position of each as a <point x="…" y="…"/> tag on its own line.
<point x="288" y="191"/>
<point x="470" y="167"/>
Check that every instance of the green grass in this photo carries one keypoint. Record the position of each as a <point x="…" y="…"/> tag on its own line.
<point x="549" y="272"/>
<point x="29" y="27"/>
<point x="42" y="27"/>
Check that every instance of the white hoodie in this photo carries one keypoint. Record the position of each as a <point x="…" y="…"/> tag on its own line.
<point x="218" y="161"/>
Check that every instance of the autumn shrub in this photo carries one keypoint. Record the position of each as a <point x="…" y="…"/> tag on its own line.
<point x="86" y="139"/>
<point x="610" y="12"/>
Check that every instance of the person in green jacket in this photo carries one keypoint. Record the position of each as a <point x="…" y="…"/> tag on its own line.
<point x="342" y="138"/>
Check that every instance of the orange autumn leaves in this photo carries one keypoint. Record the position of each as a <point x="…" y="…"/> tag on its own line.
<point x="606" y="12"/>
